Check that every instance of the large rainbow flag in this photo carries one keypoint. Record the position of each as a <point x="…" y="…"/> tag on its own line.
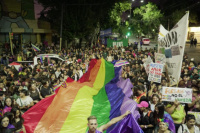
<point x="100" y="92"/>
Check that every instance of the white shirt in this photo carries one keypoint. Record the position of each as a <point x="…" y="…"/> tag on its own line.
<point x="80" y="73"/>
<point x="152" y="106"/>
<point x="24" y="102"/>
<point x="109" y="58"/>
<point x="186" y="130"/>
<point x="57" y="74"/>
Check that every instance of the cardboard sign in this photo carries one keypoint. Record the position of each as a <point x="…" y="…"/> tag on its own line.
<point x="197" y="116"/>
<point x="183" y="95"/>
<point x="155" y="72"/>
<point x="147" y="63"/>
<point x="160" y="58"/>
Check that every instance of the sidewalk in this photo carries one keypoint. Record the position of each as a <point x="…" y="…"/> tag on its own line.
<point x="193" y="52"/>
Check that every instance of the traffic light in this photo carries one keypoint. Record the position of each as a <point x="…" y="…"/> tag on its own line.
<point x="128" y="34"/>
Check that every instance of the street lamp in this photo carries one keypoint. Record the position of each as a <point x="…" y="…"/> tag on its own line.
<point x="128" y="16"/>
<point x="142" y="1"/>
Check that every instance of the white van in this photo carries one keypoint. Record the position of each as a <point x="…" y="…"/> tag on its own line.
<point x="45" y="57"/>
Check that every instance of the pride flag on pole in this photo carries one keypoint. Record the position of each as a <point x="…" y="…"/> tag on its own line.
<point x="35" y="48"/>
<point x="99" y="92"/>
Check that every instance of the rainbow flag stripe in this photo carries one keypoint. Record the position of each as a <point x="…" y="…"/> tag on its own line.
<point x="99" y="92"/>
<point x="35" y="48"/>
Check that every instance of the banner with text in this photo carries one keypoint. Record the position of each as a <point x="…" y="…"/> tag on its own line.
<point x="172" y="44"/>
<point x="119" y="43"/>
<point x="197" y="116"/>
<point x="183" y="95"/>
<point x="155" y="72"/>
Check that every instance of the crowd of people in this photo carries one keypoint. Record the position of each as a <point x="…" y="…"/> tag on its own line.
<point x="23" y="88"/>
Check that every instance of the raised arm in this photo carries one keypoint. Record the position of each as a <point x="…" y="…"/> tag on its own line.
<point x="113" y="121"/>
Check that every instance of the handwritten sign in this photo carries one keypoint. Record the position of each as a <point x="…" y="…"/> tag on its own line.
<point x="147" y="63"/>
<point x="183" y="95"/>
<point x="155" y="72"/>
<point x="160" y="58"/>
<point x="197" y="116"/>
<point x="175" y="50"/>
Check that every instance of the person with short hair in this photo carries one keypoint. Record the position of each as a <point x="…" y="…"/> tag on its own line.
<point x="163" y="127"/>
<point x="189" y="127"/>
<point x="92" y="123"/>
<point x="25" y="101"/>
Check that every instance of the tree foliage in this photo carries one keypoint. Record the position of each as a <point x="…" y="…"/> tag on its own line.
<point x="116" y="12"/>
<point x="146" y="19"/>
<point x="81" y="17"/>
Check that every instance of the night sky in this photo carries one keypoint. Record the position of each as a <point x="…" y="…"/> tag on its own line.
<point x="161" y="4"/>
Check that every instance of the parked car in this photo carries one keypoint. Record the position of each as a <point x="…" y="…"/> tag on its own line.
<point x="146" y="41"/>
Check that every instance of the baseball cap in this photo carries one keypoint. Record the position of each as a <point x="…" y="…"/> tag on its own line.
<point x="143" y="104"/>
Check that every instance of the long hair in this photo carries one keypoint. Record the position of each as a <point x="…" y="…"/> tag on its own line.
<point x="12" y="102"/>
<point x="14" y="111"/>
<point x="3" y="129"/>
<point x="160" y="113"/>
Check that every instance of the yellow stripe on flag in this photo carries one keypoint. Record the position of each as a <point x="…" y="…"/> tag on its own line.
<point x="161" y="34"/>
<point x="76" y="121"/>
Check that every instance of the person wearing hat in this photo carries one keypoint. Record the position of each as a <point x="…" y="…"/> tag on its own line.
<point x="163" y="126"/>
<point x="146" y="120"/>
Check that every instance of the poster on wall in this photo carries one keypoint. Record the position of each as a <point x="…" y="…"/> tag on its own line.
<point x="183" y="95"/>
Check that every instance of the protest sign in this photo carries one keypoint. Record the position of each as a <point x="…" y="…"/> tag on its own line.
<point x="147" y="63"/>
<point x="160" y="58"/>
<point x="155" y="72"/>
<point x="197" y="116"/>
<point x="183" y="95"/>
<point x="172" y="44"/>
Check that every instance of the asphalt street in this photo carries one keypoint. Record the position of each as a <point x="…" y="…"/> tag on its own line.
<point x="193" y="52"/>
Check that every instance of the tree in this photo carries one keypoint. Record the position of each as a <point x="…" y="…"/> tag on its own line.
<point x="178" y="14"/>
<point x="174" y="10"/>
<point x="81" y="17"/>
<point x="146" y="19"/>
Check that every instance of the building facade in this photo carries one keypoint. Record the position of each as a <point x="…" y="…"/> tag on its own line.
<point x="18" y="17"/>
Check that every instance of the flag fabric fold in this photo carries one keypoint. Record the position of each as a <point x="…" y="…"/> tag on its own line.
<point x="35" y="48"/>
<point x="100" y="92"/>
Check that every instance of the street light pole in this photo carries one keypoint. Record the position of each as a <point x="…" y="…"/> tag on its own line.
<point x="61" y="26"/>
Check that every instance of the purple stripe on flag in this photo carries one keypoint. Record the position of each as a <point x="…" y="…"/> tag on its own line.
<point x="127" y="125"/>
<point x="119" y="102"/>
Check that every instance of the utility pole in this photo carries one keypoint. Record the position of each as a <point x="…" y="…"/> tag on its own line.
<point x="61" y="26"/>
<point x="168" y="24"/>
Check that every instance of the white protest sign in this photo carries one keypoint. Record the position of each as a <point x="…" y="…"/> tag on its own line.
<point x="183" y="95"/>
<point x="160" y="58"/>
<point x="147" y="63"/>
<point x="197" y="116"/>
<point x="172" y="44"/>
<point x="155" y="72"/>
